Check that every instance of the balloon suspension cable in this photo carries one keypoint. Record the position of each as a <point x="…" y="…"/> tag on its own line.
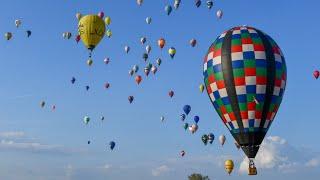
<point x="251" y="163"/>
<point x="90" y="53"/>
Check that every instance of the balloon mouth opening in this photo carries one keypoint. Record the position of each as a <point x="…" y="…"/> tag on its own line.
<point x="91" y="47"/>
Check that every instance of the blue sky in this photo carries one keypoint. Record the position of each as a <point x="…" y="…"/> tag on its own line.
<point x="40" y="144"/>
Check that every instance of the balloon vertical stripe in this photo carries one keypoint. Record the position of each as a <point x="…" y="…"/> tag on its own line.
<point x="226" y="64"/>
<point x="270" y="77"/>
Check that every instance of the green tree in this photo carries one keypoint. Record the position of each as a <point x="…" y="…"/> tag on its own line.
<point x="196" y="176"/>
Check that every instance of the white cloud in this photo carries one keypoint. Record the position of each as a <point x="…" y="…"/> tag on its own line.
<point x="314" y="162"/>
<point x="160" y="170"/>
<point x="69" y="170"/>
<point x="12" y="134"/>
<point x="276" y="153"/>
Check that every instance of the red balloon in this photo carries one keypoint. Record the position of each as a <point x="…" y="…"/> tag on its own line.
<point x="316" y="74"/>
<point x="78" y="38"/>
<point x="161" y="43"/>
<point x="138" y="79"/>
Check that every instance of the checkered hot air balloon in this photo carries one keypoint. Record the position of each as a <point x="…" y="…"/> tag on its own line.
<point x="244" y="64"/>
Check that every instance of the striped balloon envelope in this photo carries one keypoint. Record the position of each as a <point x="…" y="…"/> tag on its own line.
<point x="245" y="77"/>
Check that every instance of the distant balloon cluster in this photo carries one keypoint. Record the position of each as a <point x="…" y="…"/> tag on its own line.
<point x="8" y="35"/>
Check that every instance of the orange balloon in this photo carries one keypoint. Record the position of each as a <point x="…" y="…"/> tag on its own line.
<point x="138" y="79"/>
<point x="161" y="42"/>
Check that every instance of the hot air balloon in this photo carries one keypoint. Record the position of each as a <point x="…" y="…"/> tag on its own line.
<point x="198" y="3"/>
<point x="171" y="93"/>
<point x="148" y="49"/>
<point x="139" y="2"/>
<point x="8" y="35"/>
<point x="86" y="120"/>
<point x="229" y="60"/>
<point x="138" y="79"/>
<point x="222" y="139"/>
<point x="168" y="9"/>
<point x="154" y="69"/>
<point x="219" y="14"/>
<point x="42" y="104"/>
<point x="158" y="61"/>
<point x="182" y="153"/>
<point x="91" y="29"/>
<point x="17" y="22"/>
<point x="161" y="43"/>
<point x="78" y="38"/>
<point x="176" y="4"/>
<point x="193" y="42"/>
<point x="89" y="62"/>
<point x="145" y="56"/>
<point x="107" y="85"/>
<point x="73" y="80"/>
<point x="126" y="49"/>
<point x="210" y="138"/>
<point x="194" y="128"/>
<point x="109" y="33"/>
<point x="185" y="126"/>
<point x="146" y="71"/>
<point x="182" y="117"/>
<point x="316" y="74"/>
<point x="101" y="14"/>
<point x="53" y="107"/>
<point x="143" y="40"/>
<point x="172" y="52"/>
<point x="107" y="20"/>
<point x="131" y="72"/>
<point x="28" y="33"/>
<point x="130" y="98"/>
<point x="162" y="118"/>
<point x="228" y="165"/>
<point x="196" y="119"/>
<point x="201" y="88"/>
<point x="135" y="68"/>
<point x="106" y="60"/>
<point x="78" y="16"/>
<point x="187" y="109"/>
<point x="205" y="139"/>
<point x="112" y="144"/>
<point x="148" y="20"/>
<point x="87" y="88"/>
<point x="66" y="35"/>
<point x="102" y="118"/>
<point x="209" y="4"/>
<point x="89" y="142"/>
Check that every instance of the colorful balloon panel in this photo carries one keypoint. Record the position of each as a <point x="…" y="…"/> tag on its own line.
<point x="241" y="66"/>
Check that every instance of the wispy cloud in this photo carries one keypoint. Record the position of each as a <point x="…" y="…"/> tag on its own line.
<point x="160" y="170"/>
<point x="19" y="141"/>
<point x="12" y="134"/>
<point x="314" y="162"/>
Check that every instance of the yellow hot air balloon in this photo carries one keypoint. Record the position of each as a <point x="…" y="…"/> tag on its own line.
<point x="228" y="165"/>
<point x="91" y="29"/>
<point x="201" y="87"/>
<point x="107" y="20"/>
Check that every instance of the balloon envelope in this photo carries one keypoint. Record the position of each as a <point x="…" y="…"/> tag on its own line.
<point x="316" y="74"/>
<point x="235" y="74"/>
<point x="187" y="109"/>
<point x="91" y="29"/>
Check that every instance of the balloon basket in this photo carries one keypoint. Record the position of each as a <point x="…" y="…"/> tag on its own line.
<point x="252" y="170"/>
